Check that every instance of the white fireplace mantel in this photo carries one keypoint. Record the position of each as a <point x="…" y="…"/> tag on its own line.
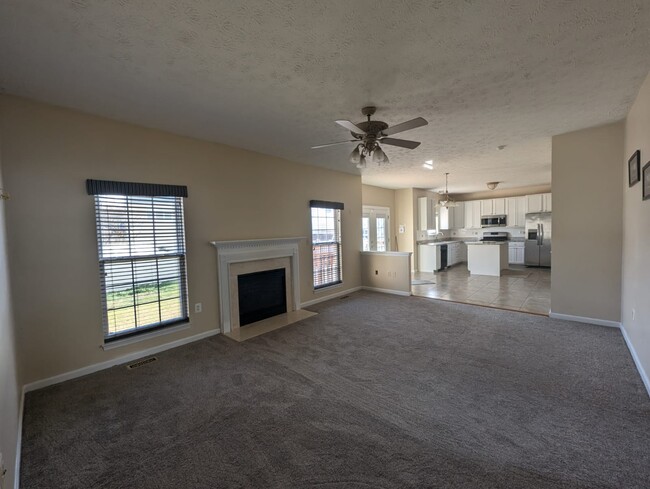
<point x="229" y="252"/>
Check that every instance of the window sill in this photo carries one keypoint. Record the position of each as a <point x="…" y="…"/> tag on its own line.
<point x="145" y="336"/>
<point x="328" y="287"/>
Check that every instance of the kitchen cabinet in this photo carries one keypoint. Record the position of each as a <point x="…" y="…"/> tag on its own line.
<point x="516" y="215"/>
<point x="426" y="213"/>
<point x="548" y="202"/>
<point x="456" y="253"/>
<point x="472" y="213"/>
<point x="486" y="207"/>
<point x="499" y="207"/>
<point x="452" y="217"/>
<point x="428" y="258"/>
<point x="516" y="253"/>
<point x="539" y="203"/>
<point x="493" y="207"/>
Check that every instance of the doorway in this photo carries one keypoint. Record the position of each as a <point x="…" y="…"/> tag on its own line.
<point x="375" y="225"/>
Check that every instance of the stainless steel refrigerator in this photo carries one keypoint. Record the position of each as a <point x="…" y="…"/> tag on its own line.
<point x="537" y="251"/>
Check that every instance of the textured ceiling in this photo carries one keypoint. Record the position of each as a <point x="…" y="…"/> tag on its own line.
<point x="272" y="76"/>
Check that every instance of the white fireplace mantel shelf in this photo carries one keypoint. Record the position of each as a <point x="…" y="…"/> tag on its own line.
<point x="239" y="251"/>
<point x="255" y="243"/>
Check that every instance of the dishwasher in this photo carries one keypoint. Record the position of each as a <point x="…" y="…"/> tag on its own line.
<point x="443" y="257"/>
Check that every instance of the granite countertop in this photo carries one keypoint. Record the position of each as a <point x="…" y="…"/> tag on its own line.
<point x="487" y="243"/>
<point x="438" y="243"/>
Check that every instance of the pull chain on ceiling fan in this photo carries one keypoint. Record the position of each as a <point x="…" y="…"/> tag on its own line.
<point x="370" y="133"/>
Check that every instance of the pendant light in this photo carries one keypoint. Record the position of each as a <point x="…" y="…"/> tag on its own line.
<point x="445" y="200"/>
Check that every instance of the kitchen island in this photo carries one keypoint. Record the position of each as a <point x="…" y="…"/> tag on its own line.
<point x="487" y="257"/>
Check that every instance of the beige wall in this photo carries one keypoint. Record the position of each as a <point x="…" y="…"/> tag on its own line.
<point x="404" y="216"/>
<point x="381" y="197"/>
<point x="636" y="233"/>
<point x="386" y="271"/>
<point x="587" y="212"/>
<point x="10" y="383"/>
<point x="233" y="194"/>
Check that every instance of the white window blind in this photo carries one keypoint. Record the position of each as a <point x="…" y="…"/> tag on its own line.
<point x="326" y="243"/>
<point x="141" y="241"/>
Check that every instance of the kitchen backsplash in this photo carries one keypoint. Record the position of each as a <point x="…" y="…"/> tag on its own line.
<point x="515" y="232"/>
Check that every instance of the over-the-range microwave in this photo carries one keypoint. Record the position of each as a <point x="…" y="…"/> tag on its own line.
<point x="492" y="221"/>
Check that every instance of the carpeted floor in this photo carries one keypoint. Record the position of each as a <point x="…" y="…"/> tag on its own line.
<point x="377" y="391"/>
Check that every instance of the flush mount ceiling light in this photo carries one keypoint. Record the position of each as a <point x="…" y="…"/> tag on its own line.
<point x="428" y="164"/>
<point x="369" y="134"/>
<point x="492" y="185"/>
<point x="445" y="200"/>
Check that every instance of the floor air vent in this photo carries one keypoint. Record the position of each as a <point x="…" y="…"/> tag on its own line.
<point x="141" y="363"/>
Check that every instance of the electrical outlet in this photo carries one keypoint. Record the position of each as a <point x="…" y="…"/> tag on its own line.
<point x="376" y="272"/>
<point x="198" y="307"/>
<point x="633" y="314"/>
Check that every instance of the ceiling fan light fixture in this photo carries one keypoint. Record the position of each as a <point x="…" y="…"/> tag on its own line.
<point x="378" y="155"/>
<point x="492" y="185"/>
<point x="355" y="156"/>
<point x="362" y="162"/>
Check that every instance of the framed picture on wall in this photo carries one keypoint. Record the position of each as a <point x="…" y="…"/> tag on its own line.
<point x="634" y="167"/>
<point x="646" y="181"/>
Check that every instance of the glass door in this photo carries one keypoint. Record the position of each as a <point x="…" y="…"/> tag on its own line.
<point x="375" y="226"/>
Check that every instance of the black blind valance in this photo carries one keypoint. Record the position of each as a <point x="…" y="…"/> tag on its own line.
<point x="109" y="187"/>
<point x="323" y="204"/>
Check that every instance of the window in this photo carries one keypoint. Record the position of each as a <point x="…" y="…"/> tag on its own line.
<point x="141" y="243"/>
<point x="326" y="242"/>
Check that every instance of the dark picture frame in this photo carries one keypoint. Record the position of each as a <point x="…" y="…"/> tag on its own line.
<point x="634" y="168"/>
<point x="645" y="185"/>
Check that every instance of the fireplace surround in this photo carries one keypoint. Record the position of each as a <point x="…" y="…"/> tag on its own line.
<point x="241" y="257"/>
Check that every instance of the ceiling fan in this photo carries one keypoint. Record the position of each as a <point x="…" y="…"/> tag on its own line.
<point x="369" y="134"/>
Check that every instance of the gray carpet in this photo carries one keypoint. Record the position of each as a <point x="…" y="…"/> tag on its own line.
<point x="376" y="391"/>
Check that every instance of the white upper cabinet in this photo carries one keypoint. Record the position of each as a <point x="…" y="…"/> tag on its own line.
<point x="452" y="217"/>
<point x="548" y="202"/>
<point x="487" y="207"/>
<point x="539" y="203"/>
<point x="494" y="207"/>
<point x="472" y="214"/>
<point x="517" y="208"/>
<point x="426" y="213"/>
<point x="499" y="206"/>
<point x="459" y="215"/>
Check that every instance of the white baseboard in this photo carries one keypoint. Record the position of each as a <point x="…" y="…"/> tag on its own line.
<point x="39" y="384"/>
<point x="328" y="297"/>
<point x="387" y="291"/>
<point x="582" y="319"/>
<point x="637" y="362"/>
<point x="19" y="439"/>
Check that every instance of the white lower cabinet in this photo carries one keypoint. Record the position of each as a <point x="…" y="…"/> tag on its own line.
<point x="429" y="257"/>
<point x="516" y="253"/>
<point x="456" y="253"/>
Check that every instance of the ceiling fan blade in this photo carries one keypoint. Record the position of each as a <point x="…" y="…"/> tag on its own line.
<point x="402" y="143"/>
<point x="405" y="126"/>
<point x="334" y="144"/>
<point x="351" y="127"/>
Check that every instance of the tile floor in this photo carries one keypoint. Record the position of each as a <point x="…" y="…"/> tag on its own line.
<point x="519" y="288"/>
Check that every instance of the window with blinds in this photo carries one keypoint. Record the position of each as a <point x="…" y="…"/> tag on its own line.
<point x="326" y="243"/>
<point x="141" y="242"/>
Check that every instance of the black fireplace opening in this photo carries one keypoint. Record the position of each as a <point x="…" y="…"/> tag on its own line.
<point x="261" y="295"/>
